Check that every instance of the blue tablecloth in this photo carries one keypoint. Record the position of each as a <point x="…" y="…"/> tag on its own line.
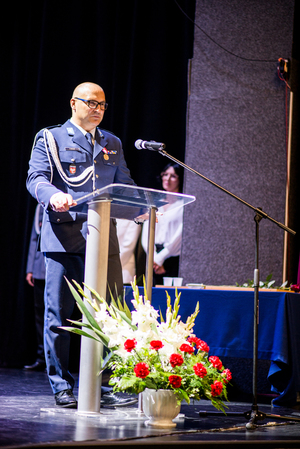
<point x="225" y="322"/>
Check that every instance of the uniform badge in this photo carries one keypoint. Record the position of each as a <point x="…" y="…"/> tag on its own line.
<point x="106" y="157"/>
<point x="70" y="131"/>
<point x="72" y="169"/>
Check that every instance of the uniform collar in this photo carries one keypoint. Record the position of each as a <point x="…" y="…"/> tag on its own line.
<point x="84" y="132"/>
<point x="78" y="137"/>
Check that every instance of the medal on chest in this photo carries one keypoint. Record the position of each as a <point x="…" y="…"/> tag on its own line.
<point x="107" y="152"/>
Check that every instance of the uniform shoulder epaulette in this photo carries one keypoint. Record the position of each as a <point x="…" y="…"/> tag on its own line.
<point x="41" y="139"/>
<point x="53" y="126"/>
<point x="106" y="130"/>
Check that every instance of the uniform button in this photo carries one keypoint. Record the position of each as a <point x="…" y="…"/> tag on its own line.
<point x="95" y="162"/>
<point x="97" y="176"/>
<point x="58" y="220"/>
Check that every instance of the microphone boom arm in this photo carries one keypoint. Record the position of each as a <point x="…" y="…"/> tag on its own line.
<point x="256" y="209"/>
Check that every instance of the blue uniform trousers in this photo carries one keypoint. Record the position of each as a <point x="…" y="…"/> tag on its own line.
<point x="59" y="305"/>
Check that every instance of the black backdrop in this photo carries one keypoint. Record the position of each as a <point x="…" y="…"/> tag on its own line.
<point x="138" y="51"/>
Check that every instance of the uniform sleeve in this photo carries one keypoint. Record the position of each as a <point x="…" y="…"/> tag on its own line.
<point x="39" y="174"/>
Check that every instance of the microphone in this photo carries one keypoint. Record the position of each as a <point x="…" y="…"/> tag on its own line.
<point x="152" y="145"/>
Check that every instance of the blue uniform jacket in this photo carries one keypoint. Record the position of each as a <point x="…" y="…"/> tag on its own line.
<point x="66" y="231"/>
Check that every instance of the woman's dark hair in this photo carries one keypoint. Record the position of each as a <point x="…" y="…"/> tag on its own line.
<point x="178" y="170"/>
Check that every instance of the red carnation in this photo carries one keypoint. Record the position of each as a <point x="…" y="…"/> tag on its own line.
<point x="156" y="344"/>
<point x="194" y="340"/>
<point x="141" y="370"/>
<point x="200" y="370"/>
<point x="216" y="362"/>
<point x="129" y="345"/>
<point x="200" y="344"/>
<point x="216" y="388"/>
<point x="176" y="360"/>
<point x="203" y="346"/>
<point x="227" y="374"/>
<point x="175" y="381"/>
<point x="187" y="348"/>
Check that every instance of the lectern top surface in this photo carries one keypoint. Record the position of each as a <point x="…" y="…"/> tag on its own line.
<point x="139" y="197"/>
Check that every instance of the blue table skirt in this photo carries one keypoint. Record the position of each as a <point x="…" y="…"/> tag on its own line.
<point x="225" y="322"/>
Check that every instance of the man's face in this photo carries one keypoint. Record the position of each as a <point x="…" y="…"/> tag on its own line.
<point x="82" y="114"/>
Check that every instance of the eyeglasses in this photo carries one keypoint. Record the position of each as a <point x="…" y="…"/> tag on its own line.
<point x="93" y="104"/>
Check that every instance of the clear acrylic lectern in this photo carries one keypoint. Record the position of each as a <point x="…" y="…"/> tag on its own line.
<point x="113" y="201"/>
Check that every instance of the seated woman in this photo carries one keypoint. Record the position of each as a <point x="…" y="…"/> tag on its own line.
<point x="168" y="230"/>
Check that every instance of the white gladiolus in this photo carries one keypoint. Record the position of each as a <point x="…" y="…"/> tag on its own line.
<point x="173" y="332"/>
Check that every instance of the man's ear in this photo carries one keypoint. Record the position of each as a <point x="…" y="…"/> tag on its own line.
<point x="72" y="103"/>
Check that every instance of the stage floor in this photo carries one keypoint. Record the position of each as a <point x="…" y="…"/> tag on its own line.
<point x="29" y="418"/>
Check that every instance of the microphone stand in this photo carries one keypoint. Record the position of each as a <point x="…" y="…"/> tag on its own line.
<point x="254" y="414"/>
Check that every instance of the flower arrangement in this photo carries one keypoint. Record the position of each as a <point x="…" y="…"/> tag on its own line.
<point x="269" y="283"/>
<point x="152" y="351"/>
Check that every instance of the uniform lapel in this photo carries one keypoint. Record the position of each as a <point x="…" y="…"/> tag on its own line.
<point x="100" y="143"/>
<point x="80" y="139"/>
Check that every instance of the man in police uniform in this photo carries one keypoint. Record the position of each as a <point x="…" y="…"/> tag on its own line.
<point x="67" y="162"/>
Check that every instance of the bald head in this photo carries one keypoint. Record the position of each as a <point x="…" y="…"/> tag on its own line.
<point x="82" y="114"/>
<point x="86" y="88"/>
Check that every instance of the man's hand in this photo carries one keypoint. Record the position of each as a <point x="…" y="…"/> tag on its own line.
<point x="61" y="202"/>
<point x="29" y="279"/>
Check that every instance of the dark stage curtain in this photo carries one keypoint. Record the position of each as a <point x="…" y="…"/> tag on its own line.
<point x="138" y="51"/>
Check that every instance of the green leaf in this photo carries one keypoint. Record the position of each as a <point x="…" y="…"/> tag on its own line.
<point x="126" y="309"/>
<point x="102" y="336"/>
<point x="75" y="330"/>
<point x="83" y="307"/>
<point x="127" y="383"/>
<point x="81" y="324"/>
<point x="183" y="395"/>
<point x="150" y="383"/>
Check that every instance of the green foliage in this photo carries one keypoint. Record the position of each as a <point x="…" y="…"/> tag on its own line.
<point x="268" y="283"/>
<point x="192" y="387"/>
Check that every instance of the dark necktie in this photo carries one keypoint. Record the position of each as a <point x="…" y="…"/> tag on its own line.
<point x="89" y="138"/>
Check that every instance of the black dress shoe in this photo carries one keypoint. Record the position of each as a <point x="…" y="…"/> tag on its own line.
<point x="65" y="398"/>
<point x="110" y="400"/>
<point x="36" y="366"/>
